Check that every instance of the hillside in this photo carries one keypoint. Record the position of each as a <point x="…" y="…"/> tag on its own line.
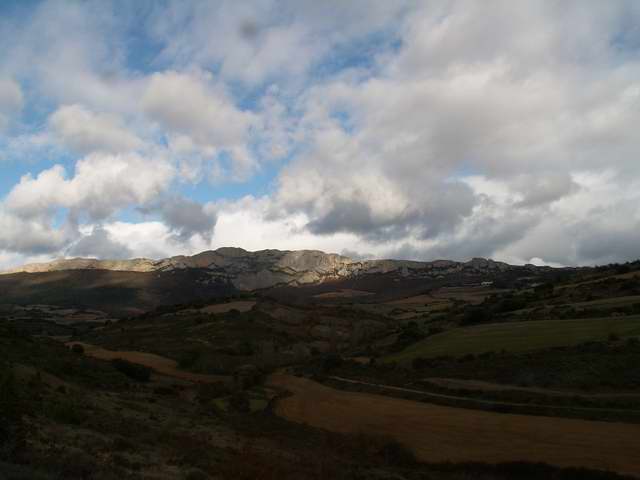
<point x="267" y="268"/>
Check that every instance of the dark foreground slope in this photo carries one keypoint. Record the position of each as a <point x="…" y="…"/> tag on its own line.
<point x="115" y="292"/>
<point x="64" y="415"/>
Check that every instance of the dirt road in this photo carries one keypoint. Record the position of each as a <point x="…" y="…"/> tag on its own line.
<point x="439" y="434"/>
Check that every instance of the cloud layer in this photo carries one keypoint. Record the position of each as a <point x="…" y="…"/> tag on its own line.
<point x="410" y="129"/>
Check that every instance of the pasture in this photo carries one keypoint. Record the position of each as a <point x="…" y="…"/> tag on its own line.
<point x="519" y="337"/>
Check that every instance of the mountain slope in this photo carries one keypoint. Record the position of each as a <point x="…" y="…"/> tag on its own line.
<point x="267" y="268"/>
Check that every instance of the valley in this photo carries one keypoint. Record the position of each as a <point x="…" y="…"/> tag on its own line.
<point x="477" y="372"/>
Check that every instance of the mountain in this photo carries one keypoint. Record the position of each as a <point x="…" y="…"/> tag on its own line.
<point x="268" y="268"/>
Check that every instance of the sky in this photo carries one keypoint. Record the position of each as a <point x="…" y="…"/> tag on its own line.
<point x="376" y="129"/>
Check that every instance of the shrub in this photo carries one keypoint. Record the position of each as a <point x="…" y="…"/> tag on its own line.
<point x="396" y="454"/>
<point x="134" y="371"/>
<point x="10" y="414"/>
<point x="239" y="402"/>
<point x="196" y="474"/>
<point x="435" y="330"/>
<point x="66" y="411"/>
<point x="331" y="361"/>
<point x="476" y="315"/>
<point x="208" y="391"/>
<point x="189" y="358"/>
<point x="420" y="363"/>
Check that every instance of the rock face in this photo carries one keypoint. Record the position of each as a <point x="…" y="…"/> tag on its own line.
<point x="268" y="268"/>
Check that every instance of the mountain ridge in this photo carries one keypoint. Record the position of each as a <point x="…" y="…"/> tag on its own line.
<point x="248" y="270"/>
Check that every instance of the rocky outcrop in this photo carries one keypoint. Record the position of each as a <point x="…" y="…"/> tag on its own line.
<point x="268" y="268"/>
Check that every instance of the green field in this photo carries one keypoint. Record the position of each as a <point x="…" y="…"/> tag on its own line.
<point x="519" y="337"/>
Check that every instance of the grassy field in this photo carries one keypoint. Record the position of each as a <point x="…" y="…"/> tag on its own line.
<point x="444" y="434"/>
<point x="519" y="337"/>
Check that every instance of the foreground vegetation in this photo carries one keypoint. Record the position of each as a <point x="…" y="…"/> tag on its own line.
<point x="187" y="391"/>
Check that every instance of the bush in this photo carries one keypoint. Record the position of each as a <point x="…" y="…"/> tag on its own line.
<point x="134" y="371"/>
<point x="435" y="330"/>
<point x="331" y="361"/>
<point x="189" y="358"/>
<point x="196" y="474"/>
<point x="420" y="363"/>
<point x="396" y="454"/>
<point x="10" y="414"/>
<point x="239" y="402"/>
<point x="66" y="411"/>
<point x="476" y="315"/>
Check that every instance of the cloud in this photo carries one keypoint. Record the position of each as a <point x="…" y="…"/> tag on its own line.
<point x="28" y="236"/>
<point x="192" y="105"/>
<point x="99" y="244"/>
<point x="185" y="218"/>
<point x="11" y="101"/>
<point x="267" y="40"/>
<point x="102" y="185"/>
<point x="85" y="131"/>
<point x="419" y="129"/>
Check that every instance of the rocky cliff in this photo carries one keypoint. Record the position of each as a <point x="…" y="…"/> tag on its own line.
<point x="267" y="268"/>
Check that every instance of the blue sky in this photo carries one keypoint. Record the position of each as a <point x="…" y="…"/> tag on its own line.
<point x="422" y="130"/>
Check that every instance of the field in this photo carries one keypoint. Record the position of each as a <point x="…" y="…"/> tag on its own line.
<point x="519" y="337"/>
<point x="444" y="434"/>
<point x="243" y="306"/>
<point x="609" y="302"/>
<point x="343" y="293"/>
<point x="159" y="364"/>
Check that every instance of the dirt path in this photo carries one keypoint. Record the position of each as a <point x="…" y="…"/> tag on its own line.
<point x="439" y="434"/>
<point x="477" y="401"/>
<point x="162" y="365"/>
<point x="456" y="383"/>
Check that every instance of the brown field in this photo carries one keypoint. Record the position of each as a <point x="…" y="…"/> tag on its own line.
<point x="418" y="299"/>
<point x="242" y="306"/>
<point x="441" y="434"/>
<point x="343" y="293"/>
<point x="159" y="364"/>
<point x="473" y="295"/>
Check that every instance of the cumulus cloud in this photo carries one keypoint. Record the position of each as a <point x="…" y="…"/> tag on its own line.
<point x="99" y="244"/>
<point x="101" y="185"/>
<point x="192" y="105"/>
<point x="185" y="218"/>
<point x="30" y="236"/>
<point x="85" y="131"/>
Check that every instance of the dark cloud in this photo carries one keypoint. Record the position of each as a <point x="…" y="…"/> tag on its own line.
<point x="610" y="245"/>
<point x="185" y="217"/>
<point x="435" y="210"/>
<point x="346" y="216"/>
<point x="99" y="244"/>
<point x="545" y="189"/>
<point x="486" y="237"/>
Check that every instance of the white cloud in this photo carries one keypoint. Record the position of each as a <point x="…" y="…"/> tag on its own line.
<point x="85" y="131"/>
<point x="30" y="236"/>
<point x="447" y="128"/>
<point x="192" y="105"/>
<point x="102" y="185"/>
<point x="267" y="40"/>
